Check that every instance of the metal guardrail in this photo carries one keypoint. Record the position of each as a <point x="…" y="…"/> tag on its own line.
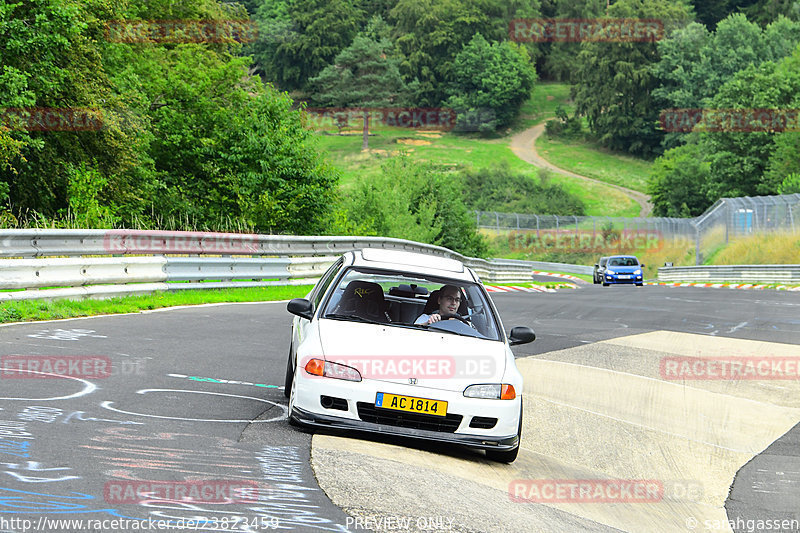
<point x="30" y="243"/>
<point x="46" y="266"/>
<point x="79" y="271"/>
<point x="723" y="273"/>
<point x="65" y="263"/>
<point x="558" y="267"/>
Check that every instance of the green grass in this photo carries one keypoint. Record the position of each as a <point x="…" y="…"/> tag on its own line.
<point x="447" y="150"/>
<point x="32" y="310"/>
<point x="458" y="150"/>
<point x="770" y="249"/>
<point x="35" y="310"/>
<point x="592" y="160"/>
<point x="598" y="199"/>
<point x="542" y="104"/>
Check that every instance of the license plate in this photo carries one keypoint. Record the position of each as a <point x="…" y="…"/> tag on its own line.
<point x="624" y="276"/>
<point x="411" y="404"/>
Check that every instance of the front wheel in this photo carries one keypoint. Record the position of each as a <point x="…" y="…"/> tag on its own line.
<point x="605" y="284"/>
<point x="292" y="394"/>
<point x="287" y="382"/>
<point x="640" y="284"/>
<point x="508" y="456"/>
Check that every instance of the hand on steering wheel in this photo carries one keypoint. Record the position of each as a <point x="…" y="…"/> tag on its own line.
<point x="446" y="316"/>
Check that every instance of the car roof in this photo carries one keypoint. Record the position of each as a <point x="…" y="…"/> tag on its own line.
<point x="412" y="262"/>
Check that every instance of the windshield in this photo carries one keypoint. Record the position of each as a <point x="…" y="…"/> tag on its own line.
<point x="407" y="300"/>
<point x="624" y="262"/>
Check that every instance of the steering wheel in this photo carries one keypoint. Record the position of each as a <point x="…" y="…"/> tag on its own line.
<point x="446" y="316"/>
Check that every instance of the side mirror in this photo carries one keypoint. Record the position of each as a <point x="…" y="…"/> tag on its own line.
<point x="596" y="265"/>
<point x="641" y="265"/>
<point x="300" y="307"/>
<point x="521" y="335"/>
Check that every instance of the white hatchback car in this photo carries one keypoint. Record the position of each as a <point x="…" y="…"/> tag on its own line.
<point x="362" y="356"/>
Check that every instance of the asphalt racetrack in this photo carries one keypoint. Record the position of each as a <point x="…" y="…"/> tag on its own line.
<point x="189" y="401"/>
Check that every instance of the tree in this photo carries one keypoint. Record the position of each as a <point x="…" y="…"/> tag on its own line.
<point x="429" y="34"/>
<point x="678" y="181"/>
<point x="558" y="57"/>
<point x="263" y="161"/>
<point x="695" y="64"/>
<point x="411" y="200"/>
<point x="362" y="75"/>
<point x="320" y="29"/>
<point x="785" y="157"/>
<point x="784" y="161"/>
<point x="497" y="76"/>
<point x="765" y="11"/>
<point x="710" y="12"/>
<point x="615" y="81"/>
<point x="51" y="61"/>
<point x="498" y="188"/>
<point x="739" y="158"/>
<point x="185" y="133"/>
<point x="275" y="27"/>
<point x="681" y="83"/>
<point x="223" y="145"/>
<point x="790" y="185"/>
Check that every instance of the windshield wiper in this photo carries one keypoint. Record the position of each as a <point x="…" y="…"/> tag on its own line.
<point x="354" y="318"/>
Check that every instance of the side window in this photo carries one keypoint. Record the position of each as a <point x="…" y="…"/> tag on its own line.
<point x="324" y="282"/>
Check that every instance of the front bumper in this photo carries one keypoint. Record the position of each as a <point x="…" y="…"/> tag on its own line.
<point x="615" y="278"/>
<point x="483" y="442"/>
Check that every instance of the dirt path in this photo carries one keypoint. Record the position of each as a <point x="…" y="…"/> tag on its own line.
<point x="524" y="145"/>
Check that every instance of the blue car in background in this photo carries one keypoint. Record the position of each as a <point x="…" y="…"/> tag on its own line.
<point x="623" y="269"/>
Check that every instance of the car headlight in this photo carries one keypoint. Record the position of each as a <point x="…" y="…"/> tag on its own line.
<point x="610" y="272"/>
<point x="492" y="391"/>
<point x="638" y="272"/>
<point x="319" y="367"/>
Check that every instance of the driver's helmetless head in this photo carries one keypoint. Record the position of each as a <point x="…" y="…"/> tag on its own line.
<point x="449" y="299"/>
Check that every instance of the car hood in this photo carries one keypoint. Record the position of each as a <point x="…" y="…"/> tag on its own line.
<point x="624" y="269"/>
<point x="397" y="354"/>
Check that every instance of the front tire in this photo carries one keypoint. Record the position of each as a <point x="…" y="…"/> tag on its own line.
<point x="508" y="456"/>
<point x="292" y="421"/>
<point x="287" y="382"/>
<point x="605" y="284"/>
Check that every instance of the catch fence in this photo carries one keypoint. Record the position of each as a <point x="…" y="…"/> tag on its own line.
<point x="727" y="219"/>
